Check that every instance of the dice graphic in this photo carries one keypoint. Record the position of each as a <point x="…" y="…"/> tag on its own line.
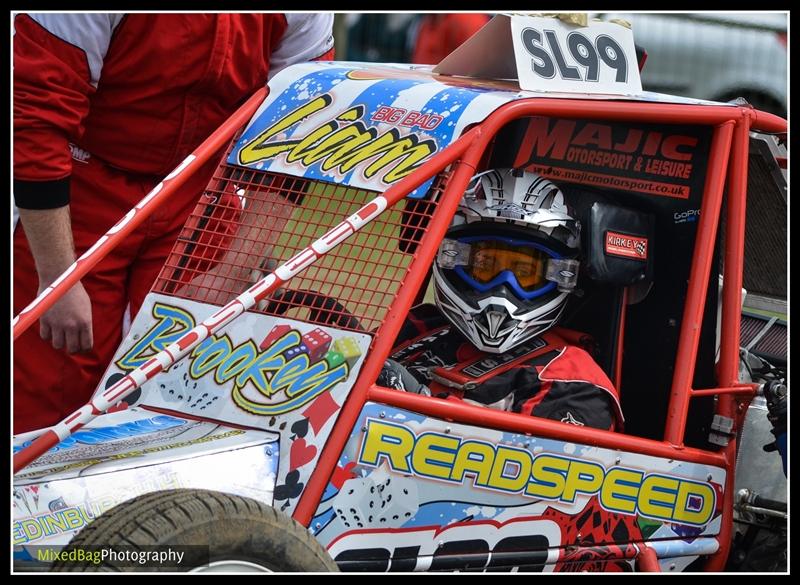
<point x="379" y="500"/>
<point x="348" y="347"/>
<point x="181" y="392"/>
<point x="292" y="353"/>
<point x="277" y="332"/>
<point x="400" y="499"/>
<point x="334" y="359"/>
<point x="317" y="342"/>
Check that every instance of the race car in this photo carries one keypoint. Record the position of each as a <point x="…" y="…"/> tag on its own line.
<point x="242" y="424"/>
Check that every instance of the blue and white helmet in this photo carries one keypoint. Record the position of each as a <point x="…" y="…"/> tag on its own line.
<point x="508" y="262"/>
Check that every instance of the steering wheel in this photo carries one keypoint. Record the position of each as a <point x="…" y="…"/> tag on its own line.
<point x="325" y="310"/>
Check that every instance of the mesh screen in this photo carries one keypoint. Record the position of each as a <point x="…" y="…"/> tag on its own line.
<point x="248" y="222"/>
<point x="772" y="344"/>
<point x="766" y="232"/>
<point x="750" y="327"/>
<point x="766" y="227"/>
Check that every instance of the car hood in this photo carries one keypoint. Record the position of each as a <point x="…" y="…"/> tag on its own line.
<point x="124" y="454"/>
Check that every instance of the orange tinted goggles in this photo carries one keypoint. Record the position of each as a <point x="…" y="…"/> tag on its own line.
<point x="490" y="258"/>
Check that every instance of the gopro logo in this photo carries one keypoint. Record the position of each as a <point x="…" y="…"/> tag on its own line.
<point x="689" y="215"/>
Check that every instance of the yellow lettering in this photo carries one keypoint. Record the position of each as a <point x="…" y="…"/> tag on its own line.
<point x="689" y="493"/>
<point x="351" y="115"/>
<point x="342" y="147"/>
<point x="620" y="489"/>
<point x="434" y="455"/>
<point x="346" y="159"/>
<point x="511" y="469"/>
<point x="352" y="148"/>
<point x="335" y="145"/>
<point x="53" y="522"/>
<point x="657" y="496"/>
<point x="582" y="477"/>
<point x="298" y="151"/>
<point x="257" y="150"/>
<point x="18" y="533"/>
<point x="473" y="457"/>
<point x="32" y="529"/>
<point x="548" y="479"/>
<point x="72" y="518"/>
<point x="393" y="442"/>
<point x="406" y="148"/>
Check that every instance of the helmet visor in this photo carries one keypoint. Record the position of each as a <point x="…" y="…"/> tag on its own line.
<point x="486" y="262"/>
<point x="489" y="259"/>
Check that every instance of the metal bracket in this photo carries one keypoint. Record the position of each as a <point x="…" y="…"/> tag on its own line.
<point x="721" y="430"/>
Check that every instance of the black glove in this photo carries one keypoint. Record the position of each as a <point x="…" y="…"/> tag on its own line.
<point x="395" y="375"/>
<point x="775" y="393"/>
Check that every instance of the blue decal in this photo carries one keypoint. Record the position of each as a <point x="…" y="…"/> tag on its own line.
<point x="100" y="435"/>
<point x="355" y="141"/>
<point x="299" y="92"/>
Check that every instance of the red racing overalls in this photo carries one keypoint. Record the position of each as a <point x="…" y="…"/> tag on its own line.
<point x="549" y="376"/>
<point x="105" y="105"/>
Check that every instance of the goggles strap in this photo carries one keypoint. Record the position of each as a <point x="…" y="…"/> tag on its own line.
<point x="453" y="253"/>
<point x="564" y="272"/>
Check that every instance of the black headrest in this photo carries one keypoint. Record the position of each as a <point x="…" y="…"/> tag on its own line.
<point x="618" y="244"/>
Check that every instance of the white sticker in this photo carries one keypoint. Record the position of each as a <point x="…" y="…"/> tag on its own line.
<point x="554" y="56"/>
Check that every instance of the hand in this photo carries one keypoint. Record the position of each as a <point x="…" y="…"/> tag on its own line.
<point x="776" y="393"/>
<point x="68" y="323"/>
<point x="395" y="375"/>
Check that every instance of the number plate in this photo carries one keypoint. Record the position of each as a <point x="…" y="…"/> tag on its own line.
<point x="554" y="56"/>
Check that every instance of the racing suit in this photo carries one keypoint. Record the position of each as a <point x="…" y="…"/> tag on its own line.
<point x="105" y="105"/>
<point x="441" y="34"/>
<point x="548" y="376"/>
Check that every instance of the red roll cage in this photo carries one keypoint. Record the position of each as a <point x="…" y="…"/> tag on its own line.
<point x="728" y="162"/>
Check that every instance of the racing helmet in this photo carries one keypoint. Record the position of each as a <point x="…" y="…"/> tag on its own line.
<point x="506" y="265"/>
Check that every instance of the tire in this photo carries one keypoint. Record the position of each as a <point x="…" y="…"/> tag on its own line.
<point x="241" y="534"/>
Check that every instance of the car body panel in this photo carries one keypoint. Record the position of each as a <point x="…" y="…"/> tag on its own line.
<point x="406" y="481"/>
<point x="404" y="111"/>
<point x="123" y="454"/>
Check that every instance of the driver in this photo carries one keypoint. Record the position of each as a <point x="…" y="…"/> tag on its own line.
<point x="502" y="276"/>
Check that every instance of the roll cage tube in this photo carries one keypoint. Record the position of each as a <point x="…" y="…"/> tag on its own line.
<point x="727" y="161"/>
<point x="730" y="139"/>
<point x="134" y="218"/>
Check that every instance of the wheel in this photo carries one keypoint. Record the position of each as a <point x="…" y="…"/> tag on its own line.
<point x="242" y="534"/>
<point x="324" y="309"/>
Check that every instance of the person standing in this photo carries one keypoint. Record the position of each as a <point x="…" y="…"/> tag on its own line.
<point x="105" y="105"/>
<point x="440" y="34"/>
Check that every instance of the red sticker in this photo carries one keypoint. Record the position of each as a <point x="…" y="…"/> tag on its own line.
<point x="626" y="246"/>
